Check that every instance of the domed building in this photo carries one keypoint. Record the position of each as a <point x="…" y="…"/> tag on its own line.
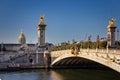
<point x="41" y="45"/>
<point x="23" y="52"/>
<point x="21" y="38"/>
<point x="17" y="46"/>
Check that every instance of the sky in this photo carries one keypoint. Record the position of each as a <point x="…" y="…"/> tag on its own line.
<point x="65" y="19"/>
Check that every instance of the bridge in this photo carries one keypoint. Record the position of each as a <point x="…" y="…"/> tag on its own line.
<point x="86" y="57"/>
<point x="64" y="58"/>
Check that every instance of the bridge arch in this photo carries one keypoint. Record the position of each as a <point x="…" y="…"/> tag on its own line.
<point x="74" y="61"/>
<point x="85" y="61"/>
<point x="62" y="57"/>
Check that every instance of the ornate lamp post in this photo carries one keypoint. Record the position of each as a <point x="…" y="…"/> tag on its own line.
<point x="97" y="43"/>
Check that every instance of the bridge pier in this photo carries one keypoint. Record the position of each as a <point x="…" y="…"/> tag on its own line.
<point x="47" y="59"/>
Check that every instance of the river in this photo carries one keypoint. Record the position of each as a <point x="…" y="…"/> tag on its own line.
<point x="61" y="74"/>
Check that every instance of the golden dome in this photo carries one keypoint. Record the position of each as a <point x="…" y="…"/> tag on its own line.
<point x="21" y="38"/>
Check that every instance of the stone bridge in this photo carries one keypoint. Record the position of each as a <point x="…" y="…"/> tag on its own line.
<point x="86" y="57"/>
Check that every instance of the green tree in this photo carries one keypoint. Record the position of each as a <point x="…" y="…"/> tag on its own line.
<point x="85" y="45"/>
<point x="102" y="44"/>
<point x="93" y="46"/>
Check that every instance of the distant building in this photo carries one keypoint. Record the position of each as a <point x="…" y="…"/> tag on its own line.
<point x="21" y="45"/>
<point x="21" y="38"/>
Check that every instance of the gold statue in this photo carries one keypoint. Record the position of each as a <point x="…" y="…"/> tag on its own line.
<point x="111" y="22"/>
<point x="41" y="19"/>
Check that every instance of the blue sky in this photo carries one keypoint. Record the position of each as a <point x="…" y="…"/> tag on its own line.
<point x="65" y="19"/>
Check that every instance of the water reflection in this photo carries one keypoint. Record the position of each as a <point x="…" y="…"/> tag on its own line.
<point x="43" y="74"/>
<point x="87" y="74"/>
<point x="61" y="74"/>
<point x="48" y="75"/>
<point x="56" y="76"/>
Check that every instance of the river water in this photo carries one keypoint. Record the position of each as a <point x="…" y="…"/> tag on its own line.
<point x="61" y="74"/>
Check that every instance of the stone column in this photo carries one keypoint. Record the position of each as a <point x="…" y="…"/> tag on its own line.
<point x="111" y="34"/>
<point x="47" y="59"/>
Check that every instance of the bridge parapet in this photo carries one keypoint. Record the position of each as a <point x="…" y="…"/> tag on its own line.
<point x="111" y="51"/>
<point x="103" y="53"/>
<point x="59" y="53"/>
<point x="93" y="52"/>
<point x="112" y="55"/>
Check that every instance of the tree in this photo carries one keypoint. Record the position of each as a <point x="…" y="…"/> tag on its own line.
<point x="85" y="45"/>
<point x="102" y="44"/>
<point x="93" y="45"/>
